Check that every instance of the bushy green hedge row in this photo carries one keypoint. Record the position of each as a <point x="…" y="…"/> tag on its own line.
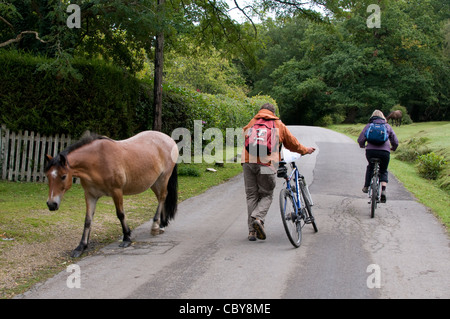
<point x="106" y="100"/>
<point x="182" y="106"/>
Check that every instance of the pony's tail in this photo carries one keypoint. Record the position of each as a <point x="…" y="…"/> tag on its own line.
<point x="170" y="204"/>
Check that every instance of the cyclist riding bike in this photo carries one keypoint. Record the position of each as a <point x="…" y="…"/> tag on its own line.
<point x="378" y="148"/>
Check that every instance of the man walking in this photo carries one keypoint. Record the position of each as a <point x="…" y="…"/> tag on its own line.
<point x="259" y="169"/>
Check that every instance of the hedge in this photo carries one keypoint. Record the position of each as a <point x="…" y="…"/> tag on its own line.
<point x="103" y="101"/>
<point x="182" y="106"/>
<point x="107" y="100"/>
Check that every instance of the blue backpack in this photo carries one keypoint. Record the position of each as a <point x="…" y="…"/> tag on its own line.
<point x="377" y="133"/>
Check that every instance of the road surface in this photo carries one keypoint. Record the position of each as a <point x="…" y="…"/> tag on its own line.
<point x="401" y="253"/>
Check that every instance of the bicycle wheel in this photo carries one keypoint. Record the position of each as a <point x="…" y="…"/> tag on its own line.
<point x="374" y="196"/>
<point x="292" y="226"/>
<point x="304" y="194"/>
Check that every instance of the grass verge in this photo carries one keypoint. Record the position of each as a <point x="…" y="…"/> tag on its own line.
<point x="35" y="243"/>
<point x="433" y="136"/>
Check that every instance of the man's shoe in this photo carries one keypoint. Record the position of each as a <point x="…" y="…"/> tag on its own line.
<point x="252" y="236"/>
<point x="383" y="197"/>
<point x="365" y="189"/>
<point x="259" y="227"/>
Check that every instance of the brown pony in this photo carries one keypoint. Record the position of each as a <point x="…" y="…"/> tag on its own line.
<point x="116" y="168"/>
<point x="396" y="117"/>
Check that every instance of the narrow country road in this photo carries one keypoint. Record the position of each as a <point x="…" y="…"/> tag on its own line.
<point x="205" y="252"/>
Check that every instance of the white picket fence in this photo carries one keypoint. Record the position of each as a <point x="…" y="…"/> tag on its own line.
<point x="22" y="154"/>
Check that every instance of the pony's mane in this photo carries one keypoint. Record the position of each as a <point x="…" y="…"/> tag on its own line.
<point x="87" y="139"/>
<point x="84" y="141"/>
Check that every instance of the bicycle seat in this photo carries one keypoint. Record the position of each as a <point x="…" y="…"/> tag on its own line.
<point x="375" y="159"/>
<point x="289" y="156"/>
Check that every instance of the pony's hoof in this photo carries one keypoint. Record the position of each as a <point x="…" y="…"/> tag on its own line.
<point x="76" y="253"/>
<point x="157" y="231"/>
<point x="125" y="244"/>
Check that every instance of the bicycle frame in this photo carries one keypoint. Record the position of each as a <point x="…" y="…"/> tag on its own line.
<point x="295" y="174"/>
<point x="375" y="173"/>
<point x="374" y="199"/>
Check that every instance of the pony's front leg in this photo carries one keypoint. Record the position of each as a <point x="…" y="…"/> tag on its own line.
<point x="90" y="210"/>
<point x="118" y="202"/>
<point x="156" y="229"/>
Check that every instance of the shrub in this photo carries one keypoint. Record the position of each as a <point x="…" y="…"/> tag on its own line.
<point x="412" y="148"/>
<point x="181" y="107"/>
<point x="187" y="170"/>
<point x="406" y="119"/>
<point x="324" y="121"/>
<point x="430" y="165"/>
<point x="106" y="100"/>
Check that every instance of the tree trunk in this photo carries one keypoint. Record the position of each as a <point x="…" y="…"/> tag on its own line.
<point x="157" y="89"/>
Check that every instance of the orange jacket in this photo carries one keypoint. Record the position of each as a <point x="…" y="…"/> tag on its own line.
<point x="284" y="136"/>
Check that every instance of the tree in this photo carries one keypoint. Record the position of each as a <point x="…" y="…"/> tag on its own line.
<point x="121" y="31"/>
<point x="206" y="71"/>
<point x="344" y="69"/>
<point x="159" y="62"/>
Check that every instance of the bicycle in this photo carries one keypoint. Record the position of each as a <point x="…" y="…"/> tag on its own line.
<point x="375" y="187"/>
<point x="295" y="203"/>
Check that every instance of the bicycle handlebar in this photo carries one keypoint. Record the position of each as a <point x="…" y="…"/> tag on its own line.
<point x="282" y="170"/>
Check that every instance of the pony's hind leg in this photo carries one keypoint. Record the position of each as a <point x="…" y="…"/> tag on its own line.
<point x="165" y="190"/>
<point x="156" y="229"/>
<point x="160" y="190"/>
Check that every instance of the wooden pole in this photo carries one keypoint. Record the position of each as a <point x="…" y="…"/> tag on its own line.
<point x="159" y="61"/>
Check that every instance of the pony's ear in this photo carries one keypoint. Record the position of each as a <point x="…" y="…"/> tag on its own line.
<point x="48" y="158"/>
<point x="62" y="160"/>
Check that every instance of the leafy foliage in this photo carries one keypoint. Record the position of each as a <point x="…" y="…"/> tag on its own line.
<point x="107" y="101"/>
<point x="321" y="69"/>
<point x="346" y="70"/>
<point x="104" y="101"/>
<point x="207" y="72"/>
<point x="430" y="165"/>
<point x="411" y="149"/>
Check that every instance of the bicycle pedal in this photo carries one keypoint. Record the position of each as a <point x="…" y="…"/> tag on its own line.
<point x="309" y="220"/>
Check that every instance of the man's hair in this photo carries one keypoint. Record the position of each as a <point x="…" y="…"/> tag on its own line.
<point x="268" y="106"/>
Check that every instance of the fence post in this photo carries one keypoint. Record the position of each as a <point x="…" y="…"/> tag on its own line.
<point x="5" y="154"/>
<point x="30" y="156"/>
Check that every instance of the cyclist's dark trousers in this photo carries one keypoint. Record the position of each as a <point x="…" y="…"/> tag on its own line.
<point x="384" y="156"/>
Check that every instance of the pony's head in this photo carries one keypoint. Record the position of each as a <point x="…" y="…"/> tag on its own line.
<point x="59" y="179"/>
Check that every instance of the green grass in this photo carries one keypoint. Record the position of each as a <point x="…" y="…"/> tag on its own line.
<point x="434" y="136"/>
<point x="35" y="243"/>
